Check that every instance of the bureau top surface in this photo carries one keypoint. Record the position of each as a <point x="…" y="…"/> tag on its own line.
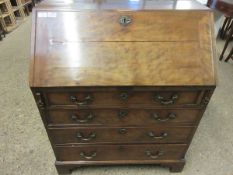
<point x="94" y="48"/>
<point x="125" y="4"/>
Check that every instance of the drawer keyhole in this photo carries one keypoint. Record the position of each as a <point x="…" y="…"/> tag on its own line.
<point x="124" y="96"/>
<point x="122" y="113"/>
<point x="122" y="131"/>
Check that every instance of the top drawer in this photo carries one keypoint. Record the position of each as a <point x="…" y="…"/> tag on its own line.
<point x="124" y="98"/>
<point x="128" y="25"/>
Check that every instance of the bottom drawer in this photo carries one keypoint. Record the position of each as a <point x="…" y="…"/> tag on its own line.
<point x="121" y="152"/>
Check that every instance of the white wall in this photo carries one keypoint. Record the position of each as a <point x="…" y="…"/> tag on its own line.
<point x="202" y="1"/>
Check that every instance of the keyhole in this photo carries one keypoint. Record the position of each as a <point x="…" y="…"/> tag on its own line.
<point x="125" y="20"/>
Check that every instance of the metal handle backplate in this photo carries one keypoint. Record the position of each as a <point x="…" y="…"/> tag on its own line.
<point x="164" y="101"/>
<point x="90" y="136"/>
<point x="154" y="136"/>
<point x="155" y="155"/>
<point x="170" y="116"/>
<point x="88" y="99"/>
<point x="88" y="156"/>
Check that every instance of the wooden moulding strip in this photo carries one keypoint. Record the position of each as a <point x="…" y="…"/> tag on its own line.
<point x="27" y="3"/>
<point x="15" y="8"/>
<point x="4" y="8"/>
<point x="21" y="12"/>
<point x="3" y="15"/>
<point x="2" y="22"/>
<point x="11" y="17"/>
<point x="18" y="2"/>
<point x="8" y="7"/>
<point x="19" y="6"/>
<point x="11" y="28"/>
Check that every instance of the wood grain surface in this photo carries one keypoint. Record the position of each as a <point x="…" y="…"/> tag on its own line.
<point x="157" y="49"/>
<point x="111" y="77"/>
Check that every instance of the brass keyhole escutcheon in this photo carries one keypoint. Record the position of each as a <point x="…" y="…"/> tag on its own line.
<point x="125" y="20"/>
<point x="122" y="131"/>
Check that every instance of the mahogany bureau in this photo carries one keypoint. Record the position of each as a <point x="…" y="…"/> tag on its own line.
<point x="122" y="82"/>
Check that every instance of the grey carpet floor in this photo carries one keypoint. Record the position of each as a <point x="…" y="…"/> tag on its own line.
<point x="24" y="146"/>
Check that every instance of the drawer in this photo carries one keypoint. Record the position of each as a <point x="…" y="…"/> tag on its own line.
<point x="121" y="152"/>
<point x="121" y="135"/>
<point x="122" y="117"/>
<point x="129" y="25"/>
<point x="124" y="98"/>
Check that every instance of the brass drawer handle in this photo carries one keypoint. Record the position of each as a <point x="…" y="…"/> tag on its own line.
<point x="164" y="101"/>
<point x="86" y="156"/>
<point x="170" y="116"/>
<point x="155" y="155"/>
<point x="86" y="119"/>
<point x="91" y="136"/>
<point x="125" y="20"/>
<point x="122" y="113"/>
<point x="88" y="99"/>
<point x="161" y="136"/>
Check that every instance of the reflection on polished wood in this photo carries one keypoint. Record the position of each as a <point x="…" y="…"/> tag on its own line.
<point x="155" y="49"/>
<point x="125" y="4"/>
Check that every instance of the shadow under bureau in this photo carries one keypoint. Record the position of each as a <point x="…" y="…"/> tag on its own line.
<point x="116" y="84"/>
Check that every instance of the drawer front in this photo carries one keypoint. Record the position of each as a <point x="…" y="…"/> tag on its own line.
<point x="121" y="152"/>
<point x="131" y="26"/>
<point x="122" y="117"/>
<point x="122" y="135"/>
<point x="123" y="98"/>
